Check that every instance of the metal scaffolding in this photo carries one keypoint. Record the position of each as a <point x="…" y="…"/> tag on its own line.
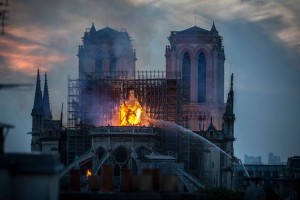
<point x="93" y="102"/>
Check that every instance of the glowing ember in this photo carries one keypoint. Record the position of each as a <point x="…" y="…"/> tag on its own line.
<point x="88" y="173"/>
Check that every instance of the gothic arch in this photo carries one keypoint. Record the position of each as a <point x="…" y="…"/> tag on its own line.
<point x="184" y="50"/>
<point x="204" y="50"/>
<point x="117" y="146"/>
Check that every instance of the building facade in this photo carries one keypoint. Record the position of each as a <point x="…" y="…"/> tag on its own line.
<point x="198" y="54"/>
<point x="190" y="92"/>
<point x="290" y="179"/>
<point x="269" y="175"/>
<point x="252" y="160"/>
<point x="104" y="52"/>
<point x="274" y="159"/>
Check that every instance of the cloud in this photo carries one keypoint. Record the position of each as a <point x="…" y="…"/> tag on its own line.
<point x="50" y="26"/>
<point x="277" y="19"/>
<point x="22" y="51"/>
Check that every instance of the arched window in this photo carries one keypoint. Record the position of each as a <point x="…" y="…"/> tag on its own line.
<point x="186" y="76"/>
<point x="201" y="78"/>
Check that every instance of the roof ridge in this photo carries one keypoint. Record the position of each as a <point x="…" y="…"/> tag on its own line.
<point x="194" y="29"/>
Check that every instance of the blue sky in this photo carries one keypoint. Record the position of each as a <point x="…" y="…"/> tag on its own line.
<point x="262" y="49"/>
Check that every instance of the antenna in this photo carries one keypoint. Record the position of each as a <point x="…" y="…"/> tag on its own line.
<point x="106" y="18"/>
<point x="3" y="15"/>
<point x="195" y="17"/>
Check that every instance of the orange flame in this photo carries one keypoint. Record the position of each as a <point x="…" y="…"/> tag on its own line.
<point x="88" y="173"/>
<point x="132" y="114"/>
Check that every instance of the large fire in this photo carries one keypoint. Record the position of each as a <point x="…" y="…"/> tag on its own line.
<point x="131" y="113"/>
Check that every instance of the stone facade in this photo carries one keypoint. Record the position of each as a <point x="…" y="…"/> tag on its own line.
<point x="205" y="150"/>
<point x="198" y="55"/>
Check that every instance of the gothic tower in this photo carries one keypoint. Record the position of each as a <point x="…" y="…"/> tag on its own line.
<point x="38" y="109"/>
<point x="198" y="55"/>
<point x="105" y="52"/>
<point x="43" y="127"/>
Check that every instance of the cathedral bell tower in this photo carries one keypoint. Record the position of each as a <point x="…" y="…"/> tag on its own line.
<point x="106" y="53"/>
<point x="198" y="55"/>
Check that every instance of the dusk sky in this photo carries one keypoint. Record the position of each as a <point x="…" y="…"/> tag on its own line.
<point x="262" y="48"/>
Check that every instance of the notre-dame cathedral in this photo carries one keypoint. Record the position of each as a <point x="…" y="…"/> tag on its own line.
<point x="188" y="93"/>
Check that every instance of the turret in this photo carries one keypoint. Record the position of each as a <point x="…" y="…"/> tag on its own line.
<point x="213" y="29"/>
<point x="229" y="104"/>
<point x="229" y="116"/>
<point x="93" y="29"/>
<point x="228" y="130"/>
